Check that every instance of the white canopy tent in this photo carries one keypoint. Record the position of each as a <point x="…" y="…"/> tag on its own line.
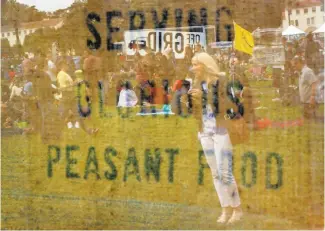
<point x="292" y="30"/>
<point x="321" y="29"/>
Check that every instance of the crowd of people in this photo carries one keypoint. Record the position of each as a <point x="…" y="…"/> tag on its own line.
<point x="30" y="88"/>
<point x="307" y="52"/>
<point x="45" y="96"/>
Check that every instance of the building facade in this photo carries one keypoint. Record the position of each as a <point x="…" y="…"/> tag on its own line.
<point x="24" y="29"/>
<point x="305" y="15"/>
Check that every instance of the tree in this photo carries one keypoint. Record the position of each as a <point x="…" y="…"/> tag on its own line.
<point x="5" y="43"/>
<point x="40" y="39"/>
<point x="73" y="34"/>
<point x="24" y="13"/>
<point x="5" y="47"/>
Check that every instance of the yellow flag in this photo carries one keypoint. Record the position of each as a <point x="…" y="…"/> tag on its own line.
<point x="243" y="40"/>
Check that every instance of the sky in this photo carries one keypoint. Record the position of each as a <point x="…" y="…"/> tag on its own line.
<point x="47" y="5"/>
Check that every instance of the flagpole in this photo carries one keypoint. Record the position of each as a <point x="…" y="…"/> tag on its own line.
<point x="233" y="37"/>
<point x="232" y="66"/>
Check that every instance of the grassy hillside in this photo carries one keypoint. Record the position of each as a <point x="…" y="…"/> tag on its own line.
<point x="114" y="180"/>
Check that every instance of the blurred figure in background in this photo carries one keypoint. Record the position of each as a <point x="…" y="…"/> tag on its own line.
<point x="92" y="68"/>
<point x="307" y="87"/>
<point x="170" y="65"/>
<point x="127" y="97"/>
<point x="51" y="68"/>
<point x="312" y="54"/>
<point x="12" y="73"/>
<point x="27" y="66"/>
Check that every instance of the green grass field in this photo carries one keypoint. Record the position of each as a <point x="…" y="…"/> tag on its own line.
<point x="280" y="174"/>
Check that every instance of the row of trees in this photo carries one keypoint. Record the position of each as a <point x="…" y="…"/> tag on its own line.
<point x="11" y="10"/>
<point x="25" y="13"/>
<point x="72" y="35"/>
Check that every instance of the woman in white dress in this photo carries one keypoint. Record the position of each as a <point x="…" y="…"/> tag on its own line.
<point x="127" y="97"/>
<point x="213" y="134"/>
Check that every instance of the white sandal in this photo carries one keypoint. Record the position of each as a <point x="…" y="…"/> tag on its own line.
<point x="236" y="216"/>
<point x="223" y="217"/>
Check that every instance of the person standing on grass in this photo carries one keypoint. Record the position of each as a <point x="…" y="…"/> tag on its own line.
<point x="307" y="87"/>
<point x="289" y="54"/>
<point x="47" y="114"/>
<point x="64" y="80"/>
<point x="312" y="52"/>
<point x="92" y="68"/>
<point x="51" y="68"/>
<point x="213" y="134"/>
<point x="27" y="66"/>
<point x="69" y="103"/>
<point x="65" y="84"/>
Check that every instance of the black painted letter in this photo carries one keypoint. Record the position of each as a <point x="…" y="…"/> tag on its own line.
<point x="227" y="26"/>
<point x="279" y="163"/>
<point x="90" y="24"/>
<point x="152" y="164"/>
<point x="163" y="22"/>
<point x="201" y="168"/>
<point x="178" y="18"/>
<point x="172" y="153"/>
<point x="132" y="15"/>
<point x="131" y="159"/>
<point x="70" y="161"/>
<point x="91" y="159"/>
<point x="50" y="160"/>
<point x="81" y="110"/>
<point x="110" y="175"/>
<point x="245" y="157"/>
<point x="110" y="30"/>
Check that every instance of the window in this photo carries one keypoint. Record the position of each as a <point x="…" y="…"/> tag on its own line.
<point x="8" y="34"/>
<point x="3" y="34"/>
<point x="30" y="31"/>
<point x="25" y="31"/>
<point x="292" y="22"/>
<point x="322" y="8"/>
<point x="314" y="9"/>
<point x="306" y="10"/>
<point x="313" y="20"/>
<point x="19" y="32"/>
<point x="297" y="24"/>
<point x="289" y="12"/>
<point x="14" y="33"/>
<point x="297" y="12"/>
<point x="308" y="21"/>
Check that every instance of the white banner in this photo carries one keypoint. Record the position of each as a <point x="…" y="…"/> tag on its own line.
<point x="159" y="40"/>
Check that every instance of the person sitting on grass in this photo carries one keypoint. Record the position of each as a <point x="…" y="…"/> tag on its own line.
<point x="143" y="90"/>
<point x="127" y="97"/>
<point x="160" y="89"/>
